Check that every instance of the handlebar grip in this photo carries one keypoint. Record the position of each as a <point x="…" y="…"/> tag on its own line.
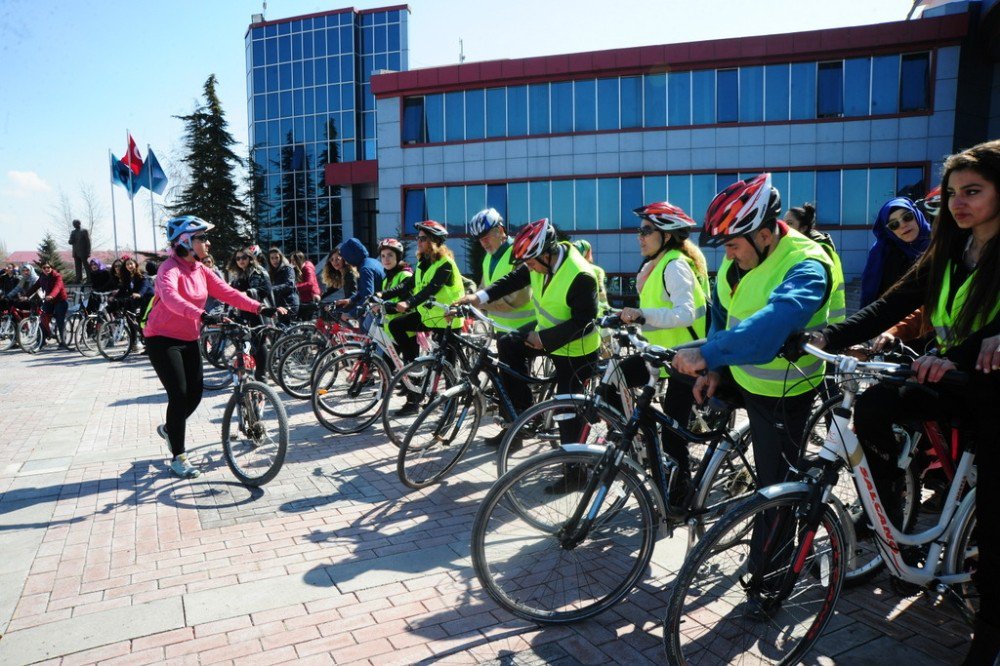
<point x="955" y="379"/>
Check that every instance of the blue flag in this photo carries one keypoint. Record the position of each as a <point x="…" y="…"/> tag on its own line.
<point x="120" y="174"/>
<point x="152" y="175"/>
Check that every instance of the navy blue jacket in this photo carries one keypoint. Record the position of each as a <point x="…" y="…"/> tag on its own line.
<point x="370" y="273"/>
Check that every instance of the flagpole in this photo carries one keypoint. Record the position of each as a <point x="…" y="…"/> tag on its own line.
<point x="131" y="192"/>
<point x="152" y="216"/>
<point x="114" y="218"/>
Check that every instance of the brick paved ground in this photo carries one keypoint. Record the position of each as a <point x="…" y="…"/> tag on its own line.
<point x="106" y="558"/>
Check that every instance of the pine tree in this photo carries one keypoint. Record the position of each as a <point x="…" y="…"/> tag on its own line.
<point x="211" y="192"/>
<point x="48" y="253"/>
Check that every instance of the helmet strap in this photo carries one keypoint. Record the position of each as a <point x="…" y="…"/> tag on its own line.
<point x="761" y="254"/>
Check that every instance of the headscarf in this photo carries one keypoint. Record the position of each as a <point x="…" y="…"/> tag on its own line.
<point x="871" y="278"/>
<point x="100" y="264"/>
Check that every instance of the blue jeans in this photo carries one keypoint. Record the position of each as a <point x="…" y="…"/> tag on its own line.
<point x="58" y="310"/>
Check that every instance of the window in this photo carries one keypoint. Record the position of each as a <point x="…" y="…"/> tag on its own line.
<point x="496" y="197"/>
<point x="435" y="204"/>
<point x="517" y="204"/>
<point x="751" y="94"/>
<point x="881" y="188"/>
<point x="702" y="192"/>
<point x="679" y="191"/>
<point x="434" y="118"/>
<point x="803" y="90"/>
<point x="857" y="73"/>
<point x="655" y="189"/>
<point x="728" y="104"/>
<point x="910" y="182"/>
<point x="776" y="92"/>
<point x="914" y="89"/>
<point x="475" y="114"/>
<point x="703" y="97"/>
<point x="455" y="211"/>
<point x="679" y="98"/>
<point x="802" y="187"/>
<point x="414" y="210"/>
<point x="562" y="204"/>
<point x="517" y="111"/>
<point x="655" y="100"/>
<point x="830" y="90"/>
<point x="586" y="203"/>
<point x="885" y="85"/>
<point x="631" y="101"/>
<point x="828" y="197"/>
<point x="496" y="114"/>
<point x="724" y="180"/>
<point x="631" y="198"/>
<point x="855" y="197"/>
<point x="607" y="104"/>
<point x="475" y="201"/>
<point x="454" y="116"/>
<point x="561" y="95"/>
<point x="538" y="200"/>
<point x="538" y="105"/>
<point x="608" y="196"/>
<point x="585" y="106"/>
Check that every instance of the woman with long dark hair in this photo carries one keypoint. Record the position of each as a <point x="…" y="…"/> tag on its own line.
<point x="957" y="282"/>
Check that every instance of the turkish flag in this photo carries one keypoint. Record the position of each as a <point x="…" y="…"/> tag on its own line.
<point x="132" y="159"/>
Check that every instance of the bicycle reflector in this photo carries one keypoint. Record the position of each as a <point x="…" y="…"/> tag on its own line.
<point x="248" y="362"/>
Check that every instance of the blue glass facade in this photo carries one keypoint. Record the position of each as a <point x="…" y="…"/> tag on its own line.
<point x="309" y="104"/>
<point x="853" y="87"/>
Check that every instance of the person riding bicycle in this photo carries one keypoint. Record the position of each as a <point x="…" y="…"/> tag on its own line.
<point x="957" y="282"/>
<point x="55" y="302"/>
<point x="514" y="310"/>
<point x="773" y="281"/>
<point x="564" y="296"/>
<point x="370" y="276"/>
<point x="586" y="250"/>
<point x="28" y="278"/>
<point x="673" y="289"/>
<point x="283" y="277"/>
<point x="174" y="323"/>
<point x="437" y="278"/>
<point x="390" y="253"/>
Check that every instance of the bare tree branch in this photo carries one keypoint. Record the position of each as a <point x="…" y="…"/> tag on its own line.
<point x="61" y="214"/>
<point x="94" y="215"/>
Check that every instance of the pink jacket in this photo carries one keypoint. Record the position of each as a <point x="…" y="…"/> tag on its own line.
<point x="182" y="287"/>
<point x="308" y="288"/>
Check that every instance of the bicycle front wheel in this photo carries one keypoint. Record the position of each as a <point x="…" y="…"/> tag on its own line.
<point x="729" y="603"/>
<point x="254" y="434"/>
<point x="29" y="335"/>
<point x="409" y="392"/>
<point x="438" y="438"/>
<point x="519" y="553"/>
<point x="114" y="339"/>
<point x="347" y="395"/>
<point x="86" y="337"/>
<point x="8" y="332"/>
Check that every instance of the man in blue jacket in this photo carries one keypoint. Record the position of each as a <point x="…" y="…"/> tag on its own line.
<point x="370" y="275"/>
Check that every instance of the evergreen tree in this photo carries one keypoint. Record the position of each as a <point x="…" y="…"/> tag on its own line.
<point x="211" y="192"/>
<point x="48" y="252"/>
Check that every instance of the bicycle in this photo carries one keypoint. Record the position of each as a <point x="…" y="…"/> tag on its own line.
<point x="30" y="335"/>
<point x="253" y="446"/>
<point x="770" y="597"/>
<point x="85" y="337"/>
<point x="565" y="535"/>
<point x="118" y="335"/>
<point x="297" y="357"/>
<point x="13" y="313"/>
<point x="445" y="428"/>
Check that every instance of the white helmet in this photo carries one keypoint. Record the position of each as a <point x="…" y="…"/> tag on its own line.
<point x="181" y="229"/>
<point x="483" y="221"/>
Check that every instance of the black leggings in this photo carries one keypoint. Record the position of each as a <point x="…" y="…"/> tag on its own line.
<point x="178" y="365"/>
<point x="401" y="327"/>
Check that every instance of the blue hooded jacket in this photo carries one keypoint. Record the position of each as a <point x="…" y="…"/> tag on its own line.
<point x="885" y="240"/>
<point x="370" y="272"/>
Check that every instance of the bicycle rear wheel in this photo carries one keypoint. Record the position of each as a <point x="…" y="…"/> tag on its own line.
<point x="438" y="438"/>
<point x="296" y="365"/>
<point x="86" y="337"/>
<point x="409" y="391"/>
<point x="254" y="434"/>
<point x="726" y="604"/>
<point x="518" y="553"/>
<point x="114" y="339"/>
<point x="8" y="332"/>
<point x="29" y="334"/>
<point x="347" y="395"/>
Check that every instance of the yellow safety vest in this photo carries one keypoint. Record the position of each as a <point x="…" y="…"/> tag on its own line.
<point x="550" y="302"/>
<point x="432" y="316"/>
<point x="654" y="295"/>
<point x="776" y="378"/>
<point x="943" y="318"/>
<point x="513" y="318"/>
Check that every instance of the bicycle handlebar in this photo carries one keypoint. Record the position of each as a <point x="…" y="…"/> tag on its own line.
<point x="893" y="371"/>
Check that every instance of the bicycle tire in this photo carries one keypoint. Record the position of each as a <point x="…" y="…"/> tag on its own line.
<point x="747" y="613"/>
<point x="85" y="339"/>
<point x="966" y="558"/>
<point x="8" y="332"/>
<point x="110" y="340"/>
<point x="347" y="396"/>
<point x="866" y="561"/>
<point x="243" y="446"/>
<point x="29" y="335"/>
<point x="430" y="450"/>
<point x="417" y="378"/>
<point x="554" y="584"/>
<point x="295" y="368"/>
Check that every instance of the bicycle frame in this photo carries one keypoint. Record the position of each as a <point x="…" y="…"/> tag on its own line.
<point x="843" y="448"/>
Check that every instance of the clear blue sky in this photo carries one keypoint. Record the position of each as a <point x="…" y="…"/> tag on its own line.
<point x="75" y="75"/>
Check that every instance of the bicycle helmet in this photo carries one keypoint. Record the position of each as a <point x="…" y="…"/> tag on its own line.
<point x="667" y="217"/>
<point x="436" y="230"/>
<point x="740" y="209"/>
<point x="931" y="204"/>
<point x="483" y="222"/>
<point x="181" y="229"/>
<point x="583" y="246"/>
<point x="392" y="244"/>
<point x="533" y="239"/>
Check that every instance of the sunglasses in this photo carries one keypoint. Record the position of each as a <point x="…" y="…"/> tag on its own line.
<point x="423" y="239"/>
<point x="241" y="257"/>
<point x="894" y="224"/>
<point x="200" y="237"/>
<point x="645" y="231"/>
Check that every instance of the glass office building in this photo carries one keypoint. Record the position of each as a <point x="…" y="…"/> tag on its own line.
<point x="845" y="118"/>
<point x="312" y="129"/>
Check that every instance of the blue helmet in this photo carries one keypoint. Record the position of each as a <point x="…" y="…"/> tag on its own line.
<point x="181" y="229"/>
<point x="483" y="221"/>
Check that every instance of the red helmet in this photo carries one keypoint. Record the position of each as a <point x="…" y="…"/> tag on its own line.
<point x="932" y="202"/>
<point x="533" y="239"/>
<point x="667" y="217"/>
<point x="392" y="244"/>
<point x="435" y="229"/>
<point x="740" y="209"/>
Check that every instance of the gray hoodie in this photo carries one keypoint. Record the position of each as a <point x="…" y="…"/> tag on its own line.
<point x="25" y="283"/>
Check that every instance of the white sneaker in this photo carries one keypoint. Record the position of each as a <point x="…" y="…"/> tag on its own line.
<point x="182" y="468"/>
